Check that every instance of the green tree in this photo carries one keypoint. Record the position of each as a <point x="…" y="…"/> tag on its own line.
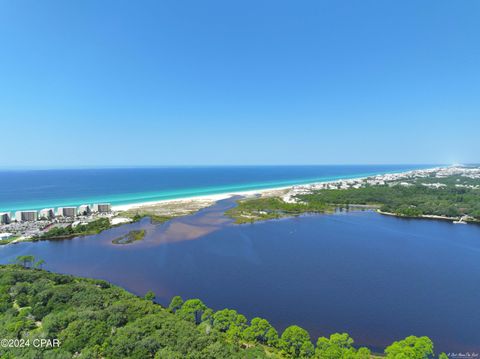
<point x="25" y="261"/>
<point x="292" y="340"/>
<point x="207" y="316"/>
<point x="337" y="346"/>
<point x="150" y="296"/>
<point x="192" y="310"/>
<point x="261" y="331"/>
<point x="411" y="347"/>
<point x="225" y="318"/>
<point x="234" y="333"/>
<point x="363" y="353"/>
<point x="175" y="304"/>
<point x="39" y="264"/>
<point x="167" y="353"/>
<point x="272" y="337"/>
<point x="307" y="349"/>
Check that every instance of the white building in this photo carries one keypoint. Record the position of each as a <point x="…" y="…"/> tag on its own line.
<point x="67" y="211"/>
<point x="46" y="213"/>
<point x="22" y="216"/>
<point x="84" y="210"/>
<point x="5" y="236"/>
<point x="5" y="218"/>
<point x="102" y="207"/>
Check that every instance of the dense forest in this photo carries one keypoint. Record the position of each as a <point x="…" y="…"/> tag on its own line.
<point x="94" y="319"/>
<point x="413" y="200"/>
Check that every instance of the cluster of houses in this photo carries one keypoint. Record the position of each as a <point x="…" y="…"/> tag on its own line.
<point x="49" y="213"/>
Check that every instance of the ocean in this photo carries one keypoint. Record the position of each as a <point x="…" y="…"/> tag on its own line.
<point x="36" y="189"/>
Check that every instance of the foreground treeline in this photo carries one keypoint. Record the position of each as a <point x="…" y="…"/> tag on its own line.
<point x="93" y="319"/>
<point x="294" y="342"/>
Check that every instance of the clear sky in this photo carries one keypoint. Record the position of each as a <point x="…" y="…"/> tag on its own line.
<point x="90" y="83"/>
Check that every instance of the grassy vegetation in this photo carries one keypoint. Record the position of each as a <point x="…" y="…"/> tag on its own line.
<point x="130" y="237"/>
<point x="69" y="231"/>
<point x="263" y="208"/>
<point x="94" y="319"/>
<point x="162" y="212"/>
<point x="8" y="240"/>
<point x="154" y="218"/>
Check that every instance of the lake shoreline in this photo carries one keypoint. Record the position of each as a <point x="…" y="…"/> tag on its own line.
<point x="168" y="261"/>
<point x="430" y="217"/>
<point x="167" y="209"/>
<point x="261" y="191"/>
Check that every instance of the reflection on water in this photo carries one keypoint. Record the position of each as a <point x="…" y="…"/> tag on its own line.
<point x="378" y="278"/>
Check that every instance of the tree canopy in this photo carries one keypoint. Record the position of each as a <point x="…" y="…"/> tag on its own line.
<point x="411" y="347"/>
<point x="295" y="340"/>
<point x="94" y="319"/>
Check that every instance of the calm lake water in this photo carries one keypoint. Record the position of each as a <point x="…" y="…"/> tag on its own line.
<point x="376" y="277"/>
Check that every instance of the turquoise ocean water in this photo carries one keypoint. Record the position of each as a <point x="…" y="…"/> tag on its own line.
<point x="36" y="189"/>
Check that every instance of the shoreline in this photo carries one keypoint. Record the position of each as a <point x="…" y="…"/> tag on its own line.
<point x="170" y="208"/>
<point x="258" y="210"/>
<point x="253" y="192"/>
<point x="428" y="216"/>
<point x="125" y="201"/>
<point x="201" y="198"/>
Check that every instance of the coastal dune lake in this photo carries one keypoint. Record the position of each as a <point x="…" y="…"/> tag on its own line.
<point x="379" y="278"/>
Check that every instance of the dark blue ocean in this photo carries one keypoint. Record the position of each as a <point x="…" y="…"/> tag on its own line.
<point x="35" y="189"/>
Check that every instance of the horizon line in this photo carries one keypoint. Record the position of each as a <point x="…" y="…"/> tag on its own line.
<point x="129" y="166"/>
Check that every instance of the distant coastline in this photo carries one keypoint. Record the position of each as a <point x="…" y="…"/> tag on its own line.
<point x="158" y="210"/>
<point x="441" y="193"/>
<point x="274" y="202"/>
<point x="201" y="189"/>
<point x="253" y="192"/>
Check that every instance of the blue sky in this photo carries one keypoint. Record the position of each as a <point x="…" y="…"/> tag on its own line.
<point x="91" y="83"/>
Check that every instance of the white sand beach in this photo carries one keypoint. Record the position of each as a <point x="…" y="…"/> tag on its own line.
<point x="285" y="191"/>
<point x="204" y="199"/>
